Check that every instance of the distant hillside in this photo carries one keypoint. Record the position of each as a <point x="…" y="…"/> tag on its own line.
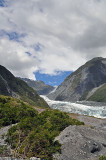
<point x="39" y="86"/>
<point x="80" y="83"/>
<point x="12" y="86"/>
<point x="99" y="94"/>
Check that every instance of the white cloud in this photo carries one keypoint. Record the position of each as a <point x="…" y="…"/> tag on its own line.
<point x="60" y="35"/>
<point x="13" y="56"/>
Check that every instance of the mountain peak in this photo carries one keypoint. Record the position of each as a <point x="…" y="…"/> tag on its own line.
<point x="78" y="84"/>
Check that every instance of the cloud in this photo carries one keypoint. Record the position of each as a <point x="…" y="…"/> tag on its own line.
<point x="14" y="57"/>
<point x="50" y="36"/>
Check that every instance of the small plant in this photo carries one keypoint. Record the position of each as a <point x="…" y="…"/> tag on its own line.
<point x="102" y="158"/>
<point x="3" y="150"/>
<point x="92" y="127"/>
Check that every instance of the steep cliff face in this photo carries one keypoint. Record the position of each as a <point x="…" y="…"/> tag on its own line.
<point x="12" y="86"/>
<point x="39" y="86"/>
<point x="77" y="85"/>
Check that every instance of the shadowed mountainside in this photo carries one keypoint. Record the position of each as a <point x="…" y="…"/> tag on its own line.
<point x="12" y="86"/>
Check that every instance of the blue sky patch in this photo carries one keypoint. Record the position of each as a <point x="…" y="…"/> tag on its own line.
<point x="52" y="80"/>
<point x="38" y="47"/>
<point x="28" y="53"/>
<point x="12" y="35"/>
<point x="2" y="3"/>
<point x="15" y="36"/>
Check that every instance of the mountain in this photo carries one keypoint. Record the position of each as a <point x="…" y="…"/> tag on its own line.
<point x="79" y="85"/>
<point x="12" y="86"/>
<point x="39" y="86"/>
<point x="98" y="94"/>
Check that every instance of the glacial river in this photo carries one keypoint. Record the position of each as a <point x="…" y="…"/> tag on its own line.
<point x="95" y="109"/>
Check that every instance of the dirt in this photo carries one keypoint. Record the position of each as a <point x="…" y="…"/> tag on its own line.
<point x="40" y="110"/>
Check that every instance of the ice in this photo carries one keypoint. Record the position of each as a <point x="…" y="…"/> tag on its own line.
<point x="97" y="110"/>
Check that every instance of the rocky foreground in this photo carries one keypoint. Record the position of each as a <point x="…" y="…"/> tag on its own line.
<point x="78" y="142"/>
<point x="83" y="142"/>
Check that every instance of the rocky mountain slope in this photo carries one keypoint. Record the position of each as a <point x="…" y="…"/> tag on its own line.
<point x="98" y="94"/>
<point x="12" y="86"/>
<point x="80" y="83"/>
<point x="39" y="86"/>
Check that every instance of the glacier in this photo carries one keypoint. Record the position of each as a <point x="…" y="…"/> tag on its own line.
<point x="95" y="109"/>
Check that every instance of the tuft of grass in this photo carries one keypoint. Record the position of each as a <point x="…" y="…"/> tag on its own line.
<point x="3" y="150"/>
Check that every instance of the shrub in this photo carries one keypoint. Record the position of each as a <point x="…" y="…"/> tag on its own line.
<point x="102" y="158"/>
<point x="35" y="135"/>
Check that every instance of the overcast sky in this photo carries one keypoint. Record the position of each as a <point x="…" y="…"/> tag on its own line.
<point x="51" y="36"/>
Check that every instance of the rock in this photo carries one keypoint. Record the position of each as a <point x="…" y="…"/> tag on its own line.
<point x="81" y="143"/>
<point x="34" y="158"/>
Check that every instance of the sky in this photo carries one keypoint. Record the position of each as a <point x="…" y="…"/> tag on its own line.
<point x="51" y="38"/>
<point x="53" y="80"/>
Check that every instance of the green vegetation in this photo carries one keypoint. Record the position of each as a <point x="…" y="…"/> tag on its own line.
<point x="28" y="94"/>
<point x="99" y="95"/>
<point x="102" y="158"/>
<point x="34" y="133"/>
<point x="13" y="110"/>
<point x="3" y="150"/>
<point x="12" y="86"/>
<point x="34" y="136"/>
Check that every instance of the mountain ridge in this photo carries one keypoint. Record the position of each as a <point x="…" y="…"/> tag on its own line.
<point x="79" y="83"/>
<point x="40" y="87"/>
<point x="15" y="87"/>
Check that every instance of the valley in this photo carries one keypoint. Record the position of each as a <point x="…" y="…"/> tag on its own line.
<point x="41" y="122"/>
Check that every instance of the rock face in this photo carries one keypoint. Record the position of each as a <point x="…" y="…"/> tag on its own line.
<point x="15" y="87"/>
<point x="39" y="86"/>
<point x="81" y="143"/>
<point x="81" y="82"/>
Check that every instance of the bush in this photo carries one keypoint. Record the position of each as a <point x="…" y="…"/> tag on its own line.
<point x="12" y="111"/>
<point x="35" y="135"/>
